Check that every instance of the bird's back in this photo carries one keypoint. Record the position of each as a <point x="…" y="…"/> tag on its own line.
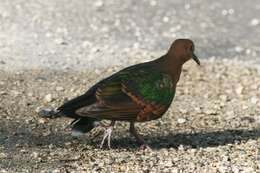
<point x="125" y="95"/>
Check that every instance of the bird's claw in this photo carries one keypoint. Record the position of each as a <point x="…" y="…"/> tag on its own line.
<point x="107" y="135"/>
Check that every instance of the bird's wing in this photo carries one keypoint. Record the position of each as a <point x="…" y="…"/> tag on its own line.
<point x="151" y="89"/>
<point x="132" y="94"/>
<point x="111" y="103"/>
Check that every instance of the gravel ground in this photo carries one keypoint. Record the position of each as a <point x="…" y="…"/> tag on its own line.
<point x="212" y="126"/>
<point x="51" y="51"/>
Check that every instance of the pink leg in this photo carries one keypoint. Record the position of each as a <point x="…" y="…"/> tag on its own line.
<point x="107" y="135"/>
<point x="138" y="138"/>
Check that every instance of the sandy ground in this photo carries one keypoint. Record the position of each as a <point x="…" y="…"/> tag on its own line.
<point x="212" y="126"/>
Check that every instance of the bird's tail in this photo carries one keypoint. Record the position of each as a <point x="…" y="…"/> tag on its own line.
<point x="49" y="113"/>
<point x="79" y="125"/>
<point x="83" y="125"/>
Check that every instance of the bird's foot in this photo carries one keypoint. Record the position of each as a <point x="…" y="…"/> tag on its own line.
<point x="140" y="140"/>
<point x="145" y="147"/>
<point x="107" y="135"/>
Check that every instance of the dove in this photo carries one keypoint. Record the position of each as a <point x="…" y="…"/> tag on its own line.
<point x="139" y="93"/>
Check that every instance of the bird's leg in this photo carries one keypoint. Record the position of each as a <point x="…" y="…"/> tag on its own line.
<point x="107" y="135"/>
<point x="138" y="138"/>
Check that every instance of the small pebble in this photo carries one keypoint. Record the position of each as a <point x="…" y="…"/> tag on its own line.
<point x="59" y="88"/>
<point x="254" y="22"/>
<point x="238" y="49"/>
<point x="166" y="19"/>
<point x="254" y="100"/>
<point x="99" y="3"/>
<point x="48" y="98"/>
<point x="3" y="93"/>
<point x="181" y="120"/>
<point x="153" y="3"/>
<point x="239" y="89"/>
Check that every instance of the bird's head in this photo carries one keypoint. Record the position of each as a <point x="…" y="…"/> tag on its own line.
<point x="183" y="50"/>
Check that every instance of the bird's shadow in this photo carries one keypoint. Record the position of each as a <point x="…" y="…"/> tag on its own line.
<point x="10" y="138"/>
<point x="194" y="140"/>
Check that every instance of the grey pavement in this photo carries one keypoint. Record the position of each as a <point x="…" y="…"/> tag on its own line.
<point x="85" y="34"/>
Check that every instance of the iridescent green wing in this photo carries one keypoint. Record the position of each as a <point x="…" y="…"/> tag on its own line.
<point x="150" y="89"/>
<point x="149" y="84"/>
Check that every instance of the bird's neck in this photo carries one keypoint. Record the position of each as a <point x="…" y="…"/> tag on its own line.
<point x="171" y="66"/>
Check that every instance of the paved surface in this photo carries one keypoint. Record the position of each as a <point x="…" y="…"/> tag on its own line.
<point x="78" y="34"/>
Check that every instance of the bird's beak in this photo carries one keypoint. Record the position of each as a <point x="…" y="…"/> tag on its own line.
<point x="196" y="59"/>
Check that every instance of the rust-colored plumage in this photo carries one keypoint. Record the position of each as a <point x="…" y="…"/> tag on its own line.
<point x="138" y="93"/>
